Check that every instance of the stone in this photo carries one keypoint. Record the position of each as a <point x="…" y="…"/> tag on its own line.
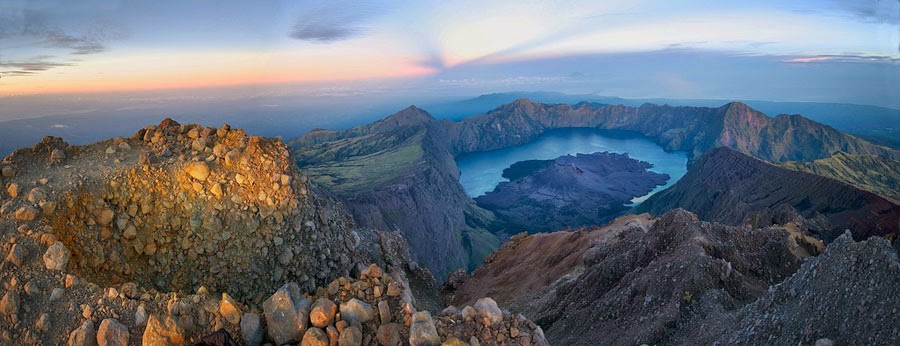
<point x="26" y="213"/>
<point x="36" y="195"/>
<point x="286" y="314"/>
<point x="130" y="232"/>
<point x="57" y="256"/>
<point x="452" y="341"/>
<point x="231" y="158"/>
<point x="333" y="335"/>
<point x="384" y="311"/>
<point x="165" y="332"/>
<point x="199" y="144"/>
<point x="394" y="289"/>
<point x="17" y="255"/>
<point x="487" y="308"/>
<point x="105" y="216"/>
<point x="85" y="335"/>
<point x="48" y="207"/>
<point x="56" y="294"/>
<point x="8" y="171"/>
<point x="356" y="310"/>
<point x="9" y="305"/>
<point x="57" y="156"/>
<point x="468" y="313"/>
<point x="389" y="334"/>
<point x="229" y="309"/>
<point x="314" y="337"/>
<point x="197" y="170"/>
<point x="13" y="190"/>
<point x="350" y="336"/>
<point x="824" y="342"/>
<point x="216" y="190"/>
<point x="422" y="331"/>
<point x="112" y="333"/>
<point x="373" y="271"/>
<point x="110" y="151"/>
<point x="251" y="329"/>
<point x="322" y="313"/>
<point x="140" y="315"/>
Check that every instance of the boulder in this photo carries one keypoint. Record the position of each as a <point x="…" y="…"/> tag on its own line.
<point x="9" y="305"/>
<point x="422" y="331"/>
<point x="389" y="334"/>
<point x="314" y="337"/>
<point x="112" y="333"/>
<point x="8" y="171"/>
<point x="198" y="170"/>
<point x="322" y="313"/>
<point x="85" y="335"/>
<point x="286" y="314"/>
<point x="356" y="310"/>
<point x="165" y="332"/>
<point x="17" y="255"/>
<point x="488" y="310"/>
<point x="57" y="156"/>
<point x="251" y="329"/>
<point x="229" y="309"/>
<point x="57" y="256"/>
<point x="350" y="336"/>
<point x="26" y="213"/>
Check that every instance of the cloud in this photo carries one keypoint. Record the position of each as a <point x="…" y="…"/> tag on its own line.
<point x="879" y="11"/>
<point x="333" y="21"/>
<point x="842" y="58"/>
<point x="26" y="31"/>
<point x="29" y="67"/>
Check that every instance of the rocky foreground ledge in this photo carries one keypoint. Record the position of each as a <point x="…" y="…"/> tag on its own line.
<point x="183" y="231"/>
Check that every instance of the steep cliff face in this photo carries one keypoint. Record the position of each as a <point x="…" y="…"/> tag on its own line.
<point x="786" y="137"/>
<point x="727" y="186"/>
<point x="395" y="174"/>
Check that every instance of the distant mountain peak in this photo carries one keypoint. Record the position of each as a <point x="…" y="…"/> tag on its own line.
<point x="409" y="116"/>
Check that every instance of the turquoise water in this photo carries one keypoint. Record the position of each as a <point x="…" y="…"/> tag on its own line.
<point x="481" y="172"/>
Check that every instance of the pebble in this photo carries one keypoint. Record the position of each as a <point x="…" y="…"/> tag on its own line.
<point x="9" y="305"/>
<point x="56" y="294"/>
<point x="8" y="171"/>
<point x="487" y="308"/>
<point x="384" y="311"/>
<point x="140" y="315"/>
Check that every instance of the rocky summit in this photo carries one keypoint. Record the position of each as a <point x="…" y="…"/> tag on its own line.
<point x="182" y="233"/>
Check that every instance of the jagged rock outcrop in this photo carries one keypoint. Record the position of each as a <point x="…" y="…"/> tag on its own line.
<point x="569" y="191"/>
<point x="727" y="186"/>
<point x="845" y="296"/>
<point x="635" y="280"/>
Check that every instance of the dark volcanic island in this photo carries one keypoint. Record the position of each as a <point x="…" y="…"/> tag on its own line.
<point x="569" y="191"/>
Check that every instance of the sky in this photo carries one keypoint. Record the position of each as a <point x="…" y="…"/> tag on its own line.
<point x="828" y="50"/>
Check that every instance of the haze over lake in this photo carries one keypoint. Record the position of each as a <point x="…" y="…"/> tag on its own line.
<point x="481" y="172"/>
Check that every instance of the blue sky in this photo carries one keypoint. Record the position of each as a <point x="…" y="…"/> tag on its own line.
<point x="827" y="50"/>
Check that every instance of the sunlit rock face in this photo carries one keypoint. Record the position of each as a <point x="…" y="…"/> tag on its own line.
<point x="176" y="207"/>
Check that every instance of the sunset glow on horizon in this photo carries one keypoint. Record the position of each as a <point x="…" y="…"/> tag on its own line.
<point x="49" y="47"/>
